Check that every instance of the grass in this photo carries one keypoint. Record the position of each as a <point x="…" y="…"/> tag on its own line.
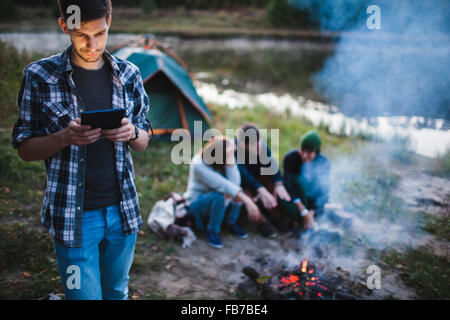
<point x="437" y="225"/>
<point x="368" y="188"/>
<point x="427" y="273"/>
<point x="441" y="165"/>
<point x="11" y="74"/>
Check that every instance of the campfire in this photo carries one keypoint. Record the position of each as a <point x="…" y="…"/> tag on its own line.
<point x="304" y="282"/>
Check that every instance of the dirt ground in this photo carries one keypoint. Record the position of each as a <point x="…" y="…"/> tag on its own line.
<point x="204" y="272"/>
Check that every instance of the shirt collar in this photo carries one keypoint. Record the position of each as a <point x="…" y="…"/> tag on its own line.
<point x="66" y="66"/>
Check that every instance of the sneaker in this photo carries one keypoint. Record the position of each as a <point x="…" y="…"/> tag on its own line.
<point x="214" y="240"/>
<point x="267" y="230"/>
<point x="238" y="232"/>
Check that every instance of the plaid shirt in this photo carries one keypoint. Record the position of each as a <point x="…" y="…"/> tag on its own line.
<point x="48" y="101"/>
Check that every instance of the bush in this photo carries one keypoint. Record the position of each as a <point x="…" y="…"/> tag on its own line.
<point x="11" y="73"/>
<point x="280" y="13"/>
<point x="7" y="10"/>
<point x="148" y="6"/>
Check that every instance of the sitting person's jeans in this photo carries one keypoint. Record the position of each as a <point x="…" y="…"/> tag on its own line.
<point x="211" y="206"/>
<point x="103" y="262"/>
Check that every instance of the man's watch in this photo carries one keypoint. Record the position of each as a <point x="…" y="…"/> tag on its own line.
<point x="136" y="131"/>
<point x="304" y="212"/>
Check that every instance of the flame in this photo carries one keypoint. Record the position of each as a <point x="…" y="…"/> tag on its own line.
<point x="304" y="265"/>
<point x="290" y="279"/>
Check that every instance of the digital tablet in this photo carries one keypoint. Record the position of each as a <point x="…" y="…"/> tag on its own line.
<point x="104" y="119"/>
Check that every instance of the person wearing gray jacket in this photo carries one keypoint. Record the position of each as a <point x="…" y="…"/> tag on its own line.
<point x="213" y="192"/>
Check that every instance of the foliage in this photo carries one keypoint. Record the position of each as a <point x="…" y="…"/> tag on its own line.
<point x="148" y="6"/>
<point x="12" y="63"/>
<point x="441" y="165"/>
<point x="7" y="10"/>
<point x="280" y="13"/>
<point x="428" y="273"/>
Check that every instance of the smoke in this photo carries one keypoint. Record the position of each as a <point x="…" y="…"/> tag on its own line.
<point x="365" y="214"/>
<point x="400" y="69"/>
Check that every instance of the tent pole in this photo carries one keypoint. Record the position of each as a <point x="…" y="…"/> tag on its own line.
<point x="181" y="109"/>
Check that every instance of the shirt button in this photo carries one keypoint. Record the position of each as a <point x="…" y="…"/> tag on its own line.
<point x="81" y="160"/>
<point x="81" y="110"/>
<point x="80" y="184"/>
<point x="78" y="208"/>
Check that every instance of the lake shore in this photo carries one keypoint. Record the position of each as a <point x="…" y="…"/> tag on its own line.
<point x="211" y="24"/>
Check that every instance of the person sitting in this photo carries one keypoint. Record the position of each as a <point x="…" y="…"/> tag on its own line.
<point x="307" y="179"/>
<point x="213" y="191"/>
<point x="260" y="177"/>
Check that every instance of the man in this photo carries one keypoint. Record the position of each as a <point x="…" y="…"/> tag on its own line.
<point x="90" y="204"/>
<point x="260" y="177"/>
<point x="306" y="177"/>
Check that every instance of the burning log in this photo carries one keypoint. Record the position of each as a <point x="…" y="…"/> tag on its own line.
<point x="305" y="282"/>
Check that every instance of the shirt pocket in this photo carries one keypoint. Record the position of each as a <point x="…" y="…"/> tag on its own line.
<point x="57" y="115"/>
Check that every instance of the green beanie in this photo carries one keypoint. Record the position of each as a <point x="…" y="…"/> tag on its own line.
<point x="311" y="141"/>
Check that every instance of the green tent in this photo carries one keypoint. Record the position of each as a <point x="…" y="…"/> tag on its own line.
<point x="174" y="102"/>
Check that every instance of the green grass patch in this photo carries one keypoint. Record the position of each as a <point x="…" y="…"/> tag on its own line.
<point x="441" y="165"/>
<point x="11" y="73"/>
<point x="27" y="263"/>
<point x="427" y="273"/>
<point x="439" y="226"/>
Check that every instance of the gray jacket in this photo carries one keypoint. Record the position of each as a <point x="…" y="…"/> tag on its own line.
<point x="203" y="179"/>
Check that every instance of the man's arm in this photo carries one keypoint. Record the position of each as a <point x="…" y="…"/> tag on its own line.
<point x="40" y="148"/>
<point x="139" y="119"/>
<point x="291" y="166"/>
<point x="141" y="143"/>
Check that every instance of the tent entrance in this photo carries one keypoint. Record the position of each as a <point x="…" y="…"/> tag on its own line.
<point x="169" y="108"/>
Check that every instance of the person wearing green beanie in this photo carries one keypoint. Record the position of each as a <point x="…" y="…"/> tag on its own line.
<point x="306" y="177"/>
<point x="311" y="141"/>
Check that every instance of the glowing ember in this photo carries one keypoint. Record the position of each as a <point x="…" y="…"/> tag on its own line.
<point x="304" y="265"/>
<point x="290" y="279"/>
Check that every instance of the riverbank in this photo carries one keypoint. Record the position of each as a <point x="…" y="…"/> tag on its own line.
<point x="211" y="24"/>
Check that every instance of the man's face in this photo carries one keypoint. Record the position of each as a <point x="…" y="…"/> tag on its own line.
<point x="307" y="156"/>
<point x="250" y="148"/>
<point x="89" y="41"/>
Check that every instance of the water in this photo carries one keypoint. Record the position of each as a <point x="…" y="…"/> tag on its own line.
<point x="274" y="73"/>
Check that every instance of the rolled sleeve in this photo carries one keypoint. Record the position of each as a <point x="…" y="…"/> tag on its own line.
<point x="29" y="122"/>
<point x="141" y="105"/>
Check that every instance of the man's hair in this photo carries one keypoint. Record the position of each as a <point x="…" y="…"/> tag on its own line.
<point x="311" y="141"/>
<point x="245" y="129"/>
<point x="90" y="9"/>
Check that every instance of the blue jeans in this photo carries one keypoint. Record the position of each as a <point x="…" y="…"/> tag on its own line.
<point x="100" y="268"/>
<point x="211" y="206"/>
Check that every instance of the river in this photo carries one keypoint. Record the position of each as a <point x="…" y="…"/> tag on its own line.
<point x="274" y="73"/>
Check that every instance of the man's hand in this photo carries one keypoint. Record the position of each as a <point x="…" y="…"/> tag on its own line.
<point x="308" y="222"/>
<point x="281" y="192"/>
<point x="122" y="134"/>
<point x="252" y="209"/>
<point x="268" y="200"/>
<point x="253" y="212"/>
<point x="78" y="135"/>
